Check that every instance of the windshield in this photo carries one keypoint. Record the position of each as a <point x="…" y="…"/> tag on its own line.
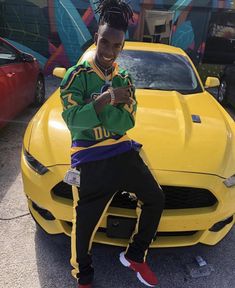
<point x="161" y="71"/>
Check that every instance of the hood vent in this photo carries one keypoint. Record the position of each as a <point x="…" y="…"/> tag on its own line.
<point x="196" y="118"/>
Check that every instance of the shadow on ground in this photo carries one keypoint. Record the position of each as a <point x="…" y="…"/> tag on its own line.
<point x="170" y="264"/>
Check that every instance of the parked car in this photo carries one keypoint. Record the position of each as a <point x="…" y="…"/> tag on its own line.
<point x="188" y="143"/>
<point x="21" y="82"/>
<point x="226" y="91"/>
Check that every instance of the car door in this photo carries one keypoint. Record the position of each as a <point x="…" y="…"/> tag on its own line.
<point x="18" y="79"/>
<point x="4" y="99"/>
<point x="7" y="108"/>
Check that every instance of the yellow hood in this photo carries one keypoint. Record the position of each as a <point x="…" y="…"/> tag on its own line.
<point x="171" y="140"/>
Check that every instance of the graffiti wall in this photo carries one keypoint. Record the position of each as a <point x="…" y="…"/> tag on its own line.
<point x="56" y="32"/>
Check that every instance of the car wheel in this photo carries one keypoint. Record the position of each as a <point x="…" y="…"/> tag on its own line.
<point x="39" y="97"/>
<point x="222" y="92"/>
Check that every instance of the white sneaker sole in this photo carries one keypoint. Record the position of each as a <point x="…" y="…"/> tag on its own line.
<point x="126" y="263"/>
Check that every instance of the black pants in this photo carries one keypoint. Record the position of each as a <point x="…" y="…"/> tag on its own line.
<point x="100" y="180"/>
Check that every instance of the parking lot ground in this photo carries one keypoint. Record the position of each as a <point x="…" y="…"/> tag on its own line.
<point x="30" y="258"/>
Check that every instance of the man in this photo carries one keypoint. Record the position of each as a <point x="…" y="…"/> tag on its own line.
<point x="99" y="107"/>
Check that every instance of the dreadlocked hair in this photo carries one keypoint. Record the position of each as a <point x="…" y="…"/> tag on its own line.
<point x="116" y="13"/>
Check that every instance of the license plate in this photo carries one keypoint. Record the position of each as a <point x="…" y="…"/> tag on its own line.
<point x="120" y="227"/>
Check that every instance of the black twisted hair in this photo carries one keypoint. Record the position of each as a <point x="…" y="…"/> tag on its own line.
<point x="116" y="13"/>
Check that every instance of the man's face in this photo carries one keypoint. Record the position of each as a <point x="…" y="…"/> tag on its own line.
<point x="109" y="43"/>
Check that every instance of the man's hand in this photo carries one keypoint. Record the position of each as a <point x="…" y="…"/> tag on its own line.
<point x="123" y="95"/>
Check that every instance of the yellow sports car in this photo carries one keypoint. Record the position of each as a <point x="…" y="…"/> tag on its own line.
<point x="188" y="143"/>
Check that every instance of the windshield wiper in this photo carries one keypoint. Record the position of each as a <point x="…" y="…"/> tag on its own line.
<point x="147" y="88"/>
<point x="155" y="88"/>
<point x="179" y="91"/>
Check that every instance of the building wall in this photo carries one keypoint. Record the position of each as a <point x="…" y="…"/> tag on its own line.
<point x="58" y="31"/>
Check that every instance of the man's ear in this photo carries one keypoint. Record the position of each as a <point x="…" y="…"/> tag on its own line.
<point x="95" y="38"/>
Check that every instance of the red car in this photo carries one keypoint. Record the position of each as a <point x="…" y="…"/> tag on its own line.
<point x="21" y="82"/>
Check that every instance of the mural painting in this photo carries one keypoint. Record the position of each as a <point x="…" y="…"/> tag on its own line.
<point x="56" y="32"/>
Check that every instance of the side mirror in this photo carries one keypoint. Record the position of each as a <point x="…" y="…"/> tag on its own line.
<point x="59" y="72"/>
<point x="27" y="57"/>
<point x="212" y="82"/>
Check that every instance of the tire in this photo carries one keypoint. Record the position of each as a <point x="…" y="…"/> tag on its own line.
<point x="39" y="95"/>
<point x="222" y="92"/>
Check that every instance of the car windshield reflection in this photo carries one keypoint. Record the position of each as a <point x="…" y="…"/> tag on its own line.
<point x="160" y="71"/>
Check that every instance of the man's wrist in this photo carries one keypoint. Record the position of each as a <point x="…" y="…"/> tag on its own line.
<point x="107" y="97"/>
<point x="103" y="99"/>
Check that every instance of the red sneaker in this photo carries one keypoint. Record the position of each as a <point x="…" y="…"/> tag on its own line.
<point x="144" y="273"/>
<point x="84" y="286"/>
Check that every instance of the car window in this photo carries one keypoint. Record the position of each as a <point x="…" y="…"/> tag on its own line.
<point x="161" y="71"/>
<point x="7" y="54"/>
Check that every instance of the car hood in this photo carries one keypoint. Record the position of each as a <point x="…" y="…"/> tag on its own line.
<point x="164" y="126"/>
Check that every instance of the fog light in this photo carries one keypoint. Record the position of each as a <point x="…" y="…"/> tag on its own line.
<point x="43" y="212"/>
<point x="220" y="225"/>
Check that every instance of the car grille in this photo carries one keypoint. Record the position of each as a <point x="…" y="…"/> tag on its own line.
<point x="176" y="197"/>
<point x="188" y="197"/>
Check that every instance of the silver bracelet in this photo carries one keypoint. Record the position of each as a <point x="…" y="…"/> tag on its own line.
<point x="112" y="96"/>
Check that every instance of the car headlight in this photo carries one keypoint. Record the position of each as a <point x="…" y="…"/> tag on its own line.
<point x="34" y="164"/>
<point x="230" y="182"/>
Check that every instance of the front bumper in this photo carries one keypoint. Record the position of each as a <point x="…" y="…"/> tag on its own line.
<point x="178" y="227"/>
